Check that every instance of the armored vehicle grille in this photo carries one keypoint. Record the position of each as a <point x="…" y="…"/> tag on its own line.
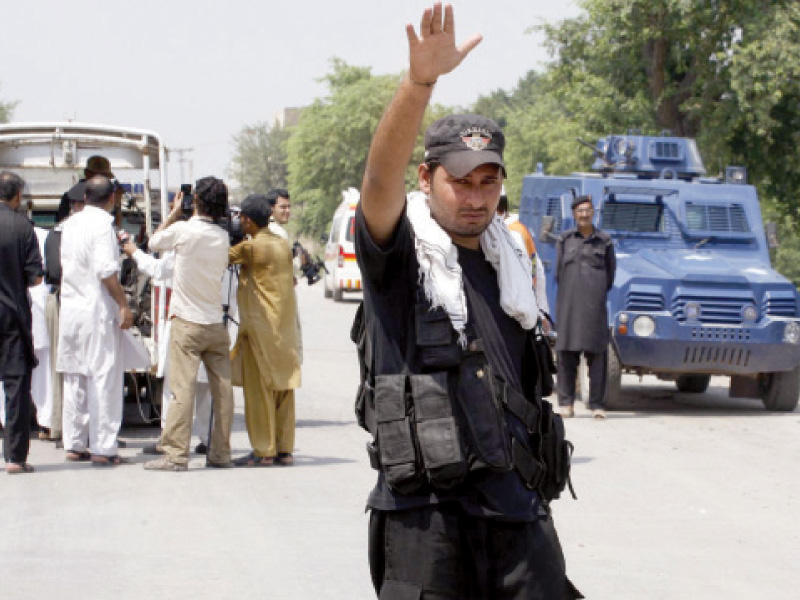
<point x="712" y="310"/>
<point x="718" y="218"/>
<point x="715" y="356"/>
<point x="667" y="150"/>
<point x="779" y="307"/>
<point x="644" y="302"/>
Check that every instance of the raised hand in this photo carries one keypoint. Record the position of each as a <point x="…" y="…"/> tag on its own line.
<point x="434" y="51"/>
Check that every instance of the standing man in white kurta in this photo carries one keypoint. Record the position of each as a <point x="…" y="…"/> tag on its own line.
<point x="93" y="311"/>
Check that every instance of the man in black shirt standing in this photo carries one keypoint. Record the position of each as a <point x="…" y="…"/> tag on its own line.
<point x="448" y="380"/>
<point x="585" y="268"/>
<point x="22" y="268"/>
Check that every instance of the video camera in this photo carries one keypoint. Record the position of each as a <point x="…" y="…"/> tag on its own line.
<point x="232" y="223"/>
<point x="310" y="267"/>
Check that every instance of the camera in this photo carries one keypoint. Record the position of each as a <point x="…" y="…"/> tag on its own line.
<point x="310" y="267"/>
<point x="233" y="225"/>
<point x="187" y="208"/>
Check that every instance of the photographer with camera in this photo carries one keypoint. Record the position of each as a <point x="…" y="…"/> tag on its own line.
<point x="161" y="270"/>
<point x="266" y="347"/>
<point x="197" y="330"/>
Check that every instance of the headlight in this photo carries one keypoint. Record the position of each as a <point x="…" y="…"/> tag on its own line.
<point x="645" y="326"/>
<point x="692" y="311"/>
<point x="791" y="333"/>
<point x="750" y="314"/>
<point x="623" y="318"/>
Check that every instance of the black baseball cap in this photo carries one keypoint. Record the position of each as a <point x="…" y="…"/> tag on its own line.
<point x="461" y="143"/>
<point x="578" y="200"/>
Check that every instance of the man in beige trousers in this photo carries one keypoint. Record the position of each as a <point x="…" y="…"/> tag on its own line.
<point x="197" y="332"/>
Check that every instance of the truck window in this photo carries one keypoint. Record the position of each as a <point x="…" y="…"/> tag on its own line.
<point x="553" y="209"/>
<point x="640" y="217"/>
<point x="718" y="218"/>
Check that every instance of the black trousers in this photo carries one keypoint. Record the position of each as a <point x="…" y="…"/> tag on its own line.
<point x="568" y="371"/>
<point x="17" y="440"/>
<point x="438" y="552"/>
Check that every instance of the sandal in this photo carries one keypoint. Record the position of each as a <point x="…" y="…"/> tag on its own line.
<point x="75" y="456"/>
<point x="251" y="460"/>
<point x="285" y="458"/>
<point x="13" y="468"/>
<point x="108" y="461"/>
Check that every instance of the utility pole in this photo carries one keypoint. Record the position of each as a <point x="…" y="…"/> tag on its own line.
<point x="182" y="160"/>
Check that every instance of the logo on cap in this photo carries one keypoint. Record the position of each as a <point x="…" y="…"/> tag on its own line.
<point x="476" y="138"/>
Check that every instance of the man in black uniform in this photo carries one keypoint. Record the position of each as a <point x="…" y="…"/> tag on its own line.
<point x="22" y="268"/>
<point x="585" y="268"/>
<point x="442" y="333"/>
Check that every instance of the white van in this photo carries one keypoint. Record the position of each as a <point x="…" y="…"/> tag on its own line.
<point x="343" y="274"/>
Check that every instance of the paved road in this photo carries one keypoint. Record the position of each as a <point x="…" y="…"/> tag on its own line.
<point x="680" y="497"/>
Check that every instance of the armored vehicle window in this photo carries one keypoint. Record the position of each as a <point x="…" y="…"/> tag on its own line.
<point x="720" y="218"/>
<point x="554" y="210"/>
<point x="641" y="217"/>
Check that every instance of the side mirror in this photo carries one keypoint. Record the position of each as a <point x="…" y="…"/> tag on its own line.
<point x="771" y="231"/>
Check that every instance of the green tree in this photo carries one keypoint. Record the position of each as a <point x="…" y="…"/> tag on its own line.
<point x="6" y="111"/>
<point x="259" y="159"/>
<point x="327" y="151"/>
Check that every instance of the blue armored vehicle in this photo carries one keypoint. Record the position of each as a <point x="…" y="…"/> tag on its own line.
<point x="694" y="293"/>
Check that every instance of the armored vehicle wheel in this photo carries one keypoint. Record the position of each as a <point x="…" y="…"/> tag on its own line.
<point x="613" y="379"/>
<point x="780" y="391"/>
<point x="337" y="295"/>
<point x="692" y="384"/>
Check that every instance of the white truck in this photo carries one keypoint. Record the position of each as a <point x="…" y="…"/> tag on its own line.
<point x="51" y="157"/>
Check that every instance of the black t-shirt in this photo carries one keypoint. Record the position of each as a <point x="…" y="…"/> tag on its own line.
<point x="391" y="280"/>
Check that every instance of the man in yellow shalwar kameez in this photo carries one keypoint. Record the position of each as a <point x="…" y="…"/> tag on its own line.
<point x="266" y="347"/>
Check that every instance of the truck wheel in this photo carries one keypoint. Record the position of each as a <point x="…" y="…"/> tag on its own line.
<point x="337" y="294"/>
<point x="692" y="384"/>
<point x="613" y="379"/>
<point x="781" y="391"/>
<point x="328" y="292"/>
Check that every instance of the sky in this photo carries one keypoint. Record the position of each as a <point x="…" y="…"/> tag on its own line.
<point x="198" y="71"/>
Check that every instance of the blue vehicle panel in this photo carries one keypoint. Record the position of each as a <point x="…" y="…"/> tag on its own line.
<point x="694" y="293"/>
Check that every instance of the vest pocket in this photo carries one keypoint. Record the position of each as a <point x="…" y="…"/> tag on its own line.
<point x="395" y="442"/>
<point x="437" y="431"/>
<point x="436" y="339"/>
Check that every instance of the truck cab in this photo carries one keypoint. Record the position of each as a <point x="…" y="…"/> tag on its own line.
<point x="694" y="294"/>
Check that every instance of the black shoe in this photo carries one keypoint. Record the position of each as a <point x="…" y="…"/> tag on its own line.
<point x="152" y="449"/>
<point x="201" y="448"/>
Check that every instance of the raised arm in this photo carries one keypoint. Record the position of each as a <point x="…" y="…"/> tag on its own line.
<point x="431" y="54"/>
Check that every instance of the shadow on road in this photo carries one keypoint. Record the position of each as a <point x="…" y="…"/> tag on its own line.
<point x="647" y="400"/>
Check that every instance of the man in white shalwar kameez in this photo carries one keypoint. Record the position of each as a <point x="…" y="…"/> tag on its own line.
<point x="93" y="312"/>
<point x="41" y="380"/>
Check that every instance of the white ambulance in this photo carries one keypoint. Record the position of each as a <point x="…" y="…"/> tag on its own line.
<point x="343" y="274"/>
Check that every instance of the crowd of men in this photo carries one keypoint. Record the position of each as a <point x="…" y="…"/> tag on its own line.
<point x="65" y="342"/>
<point x="468" y="454"/>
